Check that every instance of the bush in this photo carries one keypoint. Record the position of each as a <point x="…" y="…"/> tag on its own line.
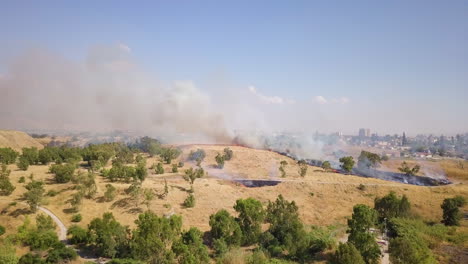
<point x="189" y="202"/>
<point x="111" y="193"/>
<point x="361" y="187"/>
<point x="347" y="163"/>
<point x="52" y="193"/>
<point x="391" y="206"/>
<point x="29" y="258"/>
<point x="228" y="154"/>
<point x="8" y="155"/>
<point x="451" y="213"/>
<point x="61" y="254"/>
<point x="347" y="254"/>
<point x="21" y="179"/>
<point x="175" y="168"/>
<point x="2" y="230"/>
<point x="198" y="155"/>
<point x="159" y="168"/>
<point x="405" y="250"/>
<point x="76" y="218"/>
<point x="23" y="163"/>
<point x="78" y="234"/>
<point x="220" y="160"/>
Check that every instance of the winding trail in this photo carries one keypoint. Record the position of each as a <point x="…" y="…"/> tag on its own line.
<point x="62" y="234"/>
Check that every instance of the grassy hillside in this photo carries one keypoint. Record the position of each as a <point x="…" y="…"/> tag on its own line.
<point x="323" y="198"/>
<point x="17" y="140"/>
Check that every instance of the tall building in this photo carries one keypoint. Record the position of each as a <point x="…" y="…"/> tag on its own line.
<point x="362" y="133"/>
<point x="368" y="132"/>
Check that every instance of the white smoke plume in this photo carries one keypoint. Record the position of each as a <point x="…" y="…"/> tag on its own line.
<point x="105" y="92"/>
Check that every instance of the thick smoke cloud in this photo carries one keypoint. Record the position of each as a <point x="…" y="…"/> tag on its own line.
<point x="105" y="92"/>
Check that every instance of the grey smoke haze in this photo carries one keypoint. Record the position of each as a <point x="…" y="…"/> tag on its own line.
<point x="106" y="91"/>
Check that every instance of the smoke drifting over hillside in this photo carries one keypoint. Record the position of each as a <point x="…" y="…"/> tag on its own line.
<point x="107" y="91"/>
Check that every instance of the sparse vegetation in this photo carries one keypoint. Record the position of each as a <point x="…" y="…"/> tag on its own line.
<point x="283" y="164"/>
<point x="406" y="169"/>
<point x="302" y="168"/>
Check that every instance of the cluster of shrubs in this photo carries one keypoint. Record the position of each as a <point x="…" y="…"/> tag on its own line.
<point x="226" y="156"/>
<point x="161" y="240"/>
<point x="42" y="237"/>
<point x="410" y="237"/>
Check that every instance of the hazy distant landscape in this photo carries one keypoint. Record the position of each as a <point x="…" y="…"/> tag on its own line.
<point x="247" y="132"/>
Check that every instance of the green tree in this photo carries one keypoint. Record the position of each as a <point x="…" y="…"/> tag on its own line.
<point x="286" y="234"/>
<point x="140" y="171"/>
<point x="362" y="220"/>
<point x="31" y="155"/>
<point x="6" y="187"/>
<point x="34" y="195"/>
<point x="391" y="206"/>
<point x="148" y="196"/>
<point x="220" y="160"/>
<point x="250" y="219"/>
<point x="108" y="237"/>
<point x="175" y="168"/>
<point x="367" y="160"/>
<point x="77" y="234"/>
<point x="110" y="193"/>
<point x="23" y="163"/>
<point x="451" y="213"/>
<point x="228" y="153"/>
<point x="8" y="155"/>
<point x="168" y="154"/>
<point x="407" y="170"/>
<point x="347" y="254"/>
<point x="189" y="248"/>
<point x="135" y="192"/>
<point x="159" y="168"/>
<point x="45" y="222"/>
<point x="153" y="237"/>
<point x="224" y="227"/>
<point x="347" y="163"/>
<point x="302" y="168"/>
<point x="283" y="164"/>
<point x="326" y="166"/>
<point x="198" y="156"/>
<point x="76" y="200"/>
<point x="191" y="175"/>
<point x="63" y="172"/>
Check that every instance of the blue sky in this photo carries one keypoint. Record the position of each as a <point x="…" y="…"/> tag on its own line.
<point x="403" y="61"/>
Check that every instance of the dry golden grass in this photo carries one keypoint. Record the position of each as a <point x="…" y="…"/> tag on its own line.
<point x="17" y="140"/>
<point x="323" y="198"/>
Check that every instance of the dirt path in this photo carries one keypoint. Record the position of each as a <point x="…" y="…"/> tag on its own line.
<point x="62" y="228"/>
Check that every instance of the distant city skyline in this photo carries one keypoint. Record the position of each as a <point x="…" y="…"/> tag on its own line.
<point x="215" y="66"/>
